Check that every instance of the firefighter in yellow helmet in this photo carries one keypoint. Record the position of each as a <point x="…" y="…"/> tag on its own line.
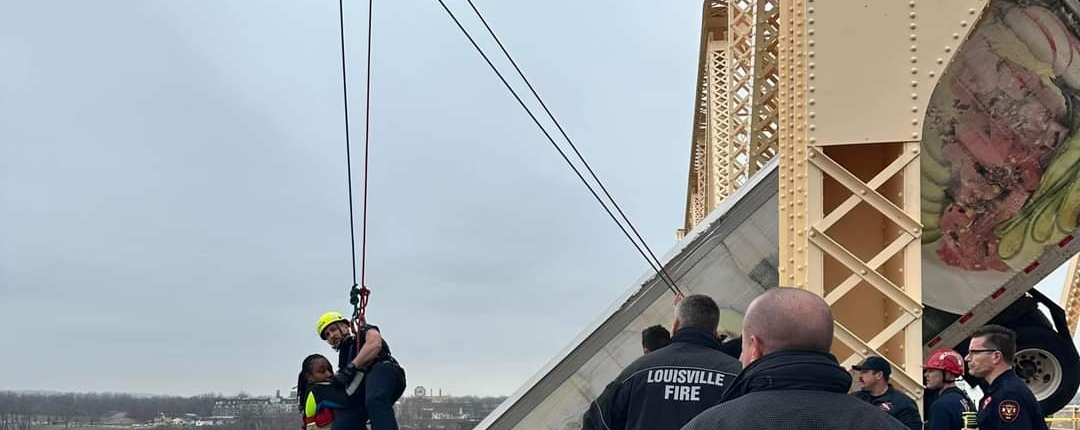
<point x="371" y="376"/>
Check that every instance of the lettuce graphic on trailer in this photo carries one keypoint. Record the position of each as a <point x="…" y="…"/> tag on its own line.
<point x="999" y="171"/>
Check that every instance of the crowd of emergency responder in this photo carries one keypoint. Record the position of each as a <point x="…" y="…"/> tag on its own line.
<point x="780" y="375"/>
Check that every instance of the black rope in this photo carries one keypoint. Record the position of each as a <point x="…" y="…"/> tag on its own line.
<point x="562" y="153"/>
<point x="662" y="272"/>
<point x="348" y="146"/>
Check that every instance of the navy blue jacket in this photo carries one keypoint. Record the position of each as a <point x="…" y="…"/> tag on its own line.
<point x="1009" y="405"/>
<point x="664" y="389"/>
<point x="946" y="413"/>
<point x="895" y="404"/>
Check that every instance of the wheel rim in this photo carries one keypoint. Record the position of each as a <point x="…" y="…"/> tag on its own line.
<point x="1040" y="370"/>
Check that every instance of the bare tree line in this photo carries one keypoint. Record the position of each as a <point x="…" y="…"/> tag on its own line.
<point x="19" y="410"/>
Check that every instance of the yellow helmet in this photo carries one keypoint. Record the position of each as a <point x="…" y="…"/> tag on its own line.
<point x="325" y="320"/>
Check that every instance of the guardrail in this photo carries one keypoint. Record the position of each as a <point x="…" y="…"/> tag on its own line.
<point x="1068" y="418"/>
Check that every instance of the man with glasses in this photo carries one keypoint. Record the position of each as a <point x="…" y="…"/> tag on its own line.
<point x="1008" y="403"/>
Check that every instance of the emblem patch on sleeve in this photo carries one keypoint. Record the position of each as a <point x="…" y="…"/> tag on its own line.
<point x="1008" y="410"/>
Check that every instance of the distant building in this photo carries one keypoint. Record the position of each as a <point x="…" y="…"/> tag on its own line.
<point x="236" y="406"/>
<point x="443" y="412"/>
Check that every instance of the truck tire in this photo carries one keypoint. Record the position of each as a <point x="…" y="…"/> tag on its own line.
<point x="1049" y="364"/>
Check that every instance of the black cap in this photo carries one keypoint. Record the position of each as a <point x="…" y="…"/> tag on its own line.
<point x="874" y="363"/>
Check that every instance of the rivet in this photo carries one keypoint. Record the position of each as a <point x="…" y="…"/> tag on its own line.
<point x="810" y="43"/>
<point x="914" y="135"/>
<point x="971" y="11"/>
<point x="810" y="21"/>
<point x="811" y="65"/>
<point x="811" y="76"/>
<point x="948" y="49"/>
<point x="914" y="96"/>
<point x="914" y="71"/>
<point x="813" y="140"/>
<point x="914" y="150"/>
<point x="963" y="23"/>
<point x="914" y="83"/>
<point x="811" y="89"/>
<point x="811" y="234"/>
<point x="956" y="35"/>
<point x="912" y="26"/>
<point x="813" y="114"/>
<point x="932" y="73"/>
<point x="813" y="127"/>
<point x="862" y="271"/>
<point x="810" y="32"/>
<point x="914" y="108"/>
<point x="863" y="192"/>
<point x="810" y="10"/>
<point x="914" y="48"/>
<point x="913" y="37"/>
<point x="915" y="230"/>
<point x="914" y="122"/>
<point x="912" y="4"/>
<point x="912" y="15"/>
<point x="810" y="54"/>
<point x="811" y="102"/>
<point x="914" y="59"/>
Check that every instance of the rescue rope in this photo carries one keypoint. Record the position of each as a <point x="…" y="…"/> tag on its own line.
<point x="647" y="253"/>
<point x="358" y="294"/>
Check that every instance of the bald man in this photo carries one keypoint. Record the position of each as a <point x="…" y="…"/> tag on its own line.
<point x="789" y="380"/>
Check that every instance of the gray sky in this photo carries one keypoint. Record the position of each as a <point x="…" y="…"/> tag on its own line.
<point x="173" y="199"/>
<point x="173" y="186"/>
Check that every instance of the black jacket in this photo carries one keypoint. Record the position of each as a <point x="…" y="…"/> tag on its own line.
<point x="348" y="351"/>
<point x="1009" y="405"/>
<point x="789" y="390"/>
<point x="896" y="404"/>
<point x="946" y="413"/>
<point x="664" y="389"/>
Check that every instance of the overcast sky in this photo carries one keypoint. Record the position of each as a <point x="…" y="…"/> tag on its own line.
<point x="173" y="186"/>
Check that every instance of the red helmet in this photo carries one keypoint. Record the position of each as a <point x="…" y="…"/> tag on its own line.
<point x="947" y="360"/>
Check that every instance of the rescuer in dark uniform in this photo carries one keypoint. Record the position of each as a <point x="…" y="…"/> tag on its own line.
<point x="654" y="338"/>
<point x="665" y="388"/>
<point x="371" y="375"/>
<point x="874" y="373"/>
<point x="1008" y="403"/>
<point x="790" y="380"/>
<point x="952" y="409"/>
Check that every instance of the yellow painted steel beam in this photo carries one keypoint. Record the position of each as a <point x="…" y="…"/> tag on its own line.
<point x="735" y="117"/>
<point x="709" y="169"/>
<point x="1070" y="294"/>
<point x="854" y="81"/>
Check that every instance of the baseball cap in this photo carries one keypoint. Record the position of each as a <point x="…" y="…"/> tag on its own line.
<point x="874" y="363"/>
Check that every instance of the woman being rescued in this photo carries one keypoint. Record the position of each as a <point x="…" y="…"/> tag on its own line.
<point x="317" y="393"/>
